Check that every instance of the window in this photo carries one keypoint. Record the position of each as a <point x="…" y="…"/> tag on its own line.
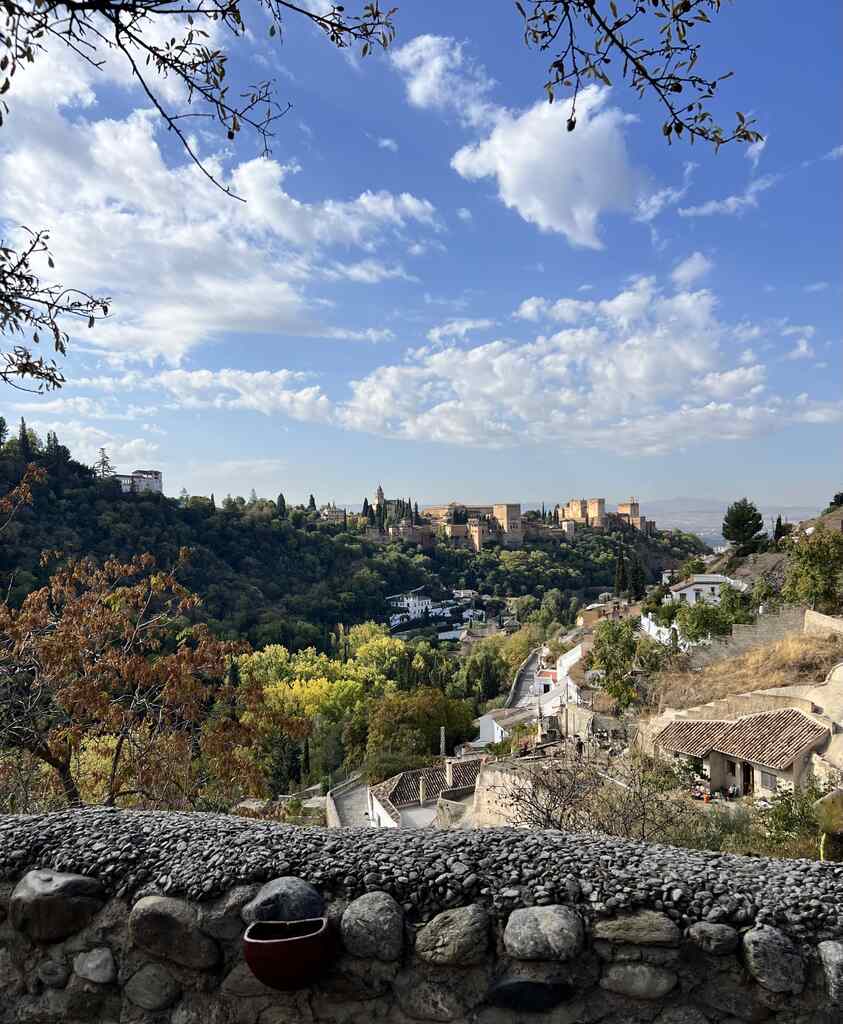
<point x="683" y="596"/>
<point x="768" y="781"/>
<point x="731" y="768"/>
<point x="712" y="590"/>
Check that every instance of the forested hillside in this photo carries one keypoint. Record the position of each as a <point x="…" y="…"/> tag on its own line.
<point x="268" y="573"/>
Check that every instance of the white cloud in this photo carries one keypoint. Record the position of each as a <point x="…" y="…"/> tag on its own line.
<point x="389" y="144"/>
<point x="464" y="214"/>
<point x="558" y="180"/>
<point x="182" y="263"/>
<point x="834" y="154"/>
<point x="794" y="330"/>
<point x="564" y="311"/>
<point x="458" y="328"/>
<point x="85" y="441"/>
<point x="753" y="152"/>
<point x="648" y="207"/>
<point x="367" y="334"/>
<point x="438" y="75"/>
<point x="731" y="383"/>
<point x="261" y="391"/>
<point x="367" y="272"/>
<point x="747" y="356"/>
<point x="735" y="204"/>
<point x="690" y="270"/>
<point x="816" y="286"/>
<point x="801" y="350"/>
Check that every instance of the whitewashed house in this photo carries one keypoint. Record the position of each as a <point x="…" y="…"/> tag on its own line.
<point x="701" y="587"/>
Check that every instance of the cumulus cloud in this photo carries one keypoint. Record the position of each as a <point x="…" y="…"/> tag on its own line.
<point x="691" y="270"/>
<point x="439" y="75"/>
<point x="458" y="328"/>
<point x="560" y="181"/>
<point x="183" y="264"/>
<point x="742" y="380"/>
<point x="734" y="204"/>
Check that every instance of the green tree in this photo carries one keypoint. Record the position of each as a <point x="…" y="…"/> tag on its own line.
<point x="637" y="576"/>
<point x="778" y="530"/>
<point x="621" y="577"/>
<point x="25" y="451"/>
<point x="836" y="501"/>
<point x="690" y="567"/>
<point x="281" y="507"/>
<point x="4" y="431"/>
<point x="742" y="525"/>
<point x="814" y="567"/>
<point x="103" y="466"/>
<point x="365" y="510"/>
<point x="614" y="654"/>
<point x="311" y="504"/>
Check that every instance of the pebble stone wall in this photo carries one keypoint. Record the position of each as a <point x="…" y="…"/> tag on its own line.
<point x="118" y="916"/>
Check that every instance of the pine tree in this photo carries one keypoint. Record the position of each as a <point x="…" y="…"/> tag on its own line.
<point x="281" y="506"/>
<point x="184" y="497"/>
<point x="253" y="497"/>
<point x="24" y="442"/>
<point x="103" y="467"/>
<point x="742" y="525"/>
<point x="621" y="578"/>
<point x="4" y="431"/>
<point x="311" y="504"/>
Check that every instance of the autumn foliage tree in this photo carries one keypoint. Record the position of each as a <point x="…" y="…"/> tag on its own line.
<point x="104" y="681"/>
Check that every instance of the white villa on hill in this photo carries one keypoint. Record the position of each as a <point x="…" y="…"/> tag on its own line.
<point x="701" y="587"/>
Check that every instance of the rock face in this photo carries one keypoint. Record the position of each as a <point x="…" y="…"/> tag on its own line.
<point x="646" y="928"/>
<point x="773" y="960"/>
<point x="284" y="899"/>
<point x="543" y="933"/>
<point x="48" y="906"/>
<point x="642" y="981"/>
<point x="153" y="988"/>
<point x="831" y="957"/>
<point x="169" y="929"/>
<point x="458" y="937"/>
<point x="373" y="927"/>
<point x="96" y="965"/>
<point x="718" y="939"/>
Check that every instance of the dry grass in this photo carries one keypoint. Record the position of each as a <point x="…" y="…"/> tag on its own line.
<point x="795" y="661"/>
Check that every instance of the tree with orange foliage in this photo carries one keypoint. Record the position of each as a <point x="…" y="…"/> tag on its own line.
<point x="105" y="658"/>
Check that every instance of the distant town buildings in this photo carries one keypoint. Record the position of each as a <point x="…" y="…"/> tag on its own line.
<point x="142" y="480"/>
<point x="592" y="512"/>
<point x="475" y="526"/>
<point x="331" y="514"/>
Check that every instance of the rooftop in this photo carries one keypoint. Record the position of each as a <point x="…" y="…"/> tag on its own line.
<point x="772" y="738"/>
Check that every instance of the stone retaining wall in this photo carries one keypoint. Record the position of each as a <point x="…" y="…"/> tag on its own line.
<point x="767" y="629"/>
<point x="138" y="918"/>
<point x="818" y="624"/>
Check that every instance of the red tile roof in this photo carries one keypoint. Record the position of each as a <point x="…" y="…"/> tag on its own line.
<point x="772" y="738"/>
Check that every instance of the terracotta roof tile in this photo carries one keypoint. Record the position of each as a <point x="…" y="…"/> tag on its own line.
<point x="691" y="736"/>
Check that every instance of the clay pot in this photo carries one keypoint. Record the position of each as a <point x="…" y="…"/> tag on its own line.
<point x="288" y="955"/>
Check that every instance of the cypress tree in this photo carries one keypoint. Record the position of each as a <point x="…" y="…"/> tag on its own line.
<point x="305" y="761"/>
<point x="416" y="519"/>
<point x="365" y="510"/>
<point x="24" y="444"/>
<point x="4" y="431"/>
<point x="281" y="506"/>
<point x="621" y="578"/>
<point x="311" y="504"/>
<point x="637" y="576"/>
<point x="778" y="532"/>
<point x="213" y="503"/>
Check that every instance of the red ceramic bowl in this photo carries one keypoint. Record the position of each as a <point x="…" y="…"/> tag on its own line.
<point x="288" y="955"/>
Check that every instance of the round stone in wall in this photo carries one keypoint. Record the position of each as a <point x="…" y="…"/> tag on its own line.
<point x="96" y="965"/>
<point x="284" y="899"/>
<point x="169" y="929"/>
<point x="641" y="981"/>
<point x="373" y="927"/>
<point x="152" y="988"/>
<point x="48" y="906"/>
<point x="718" y="939"/>
<point x="458" y="937"/>
<point x="773" y="960"/>
<point x="543" y="933"/>
<point x="645" y="928"/>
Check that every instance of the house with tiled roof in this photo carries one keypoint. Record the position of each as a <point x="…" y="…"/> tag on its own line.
<point x="704" y="586"/>
<point x="756" y="754"/>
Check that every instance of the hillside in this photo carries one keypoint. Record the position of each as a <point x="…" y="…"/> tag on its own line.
<point x="796" y="660"/>
<point x="264" y="578"/>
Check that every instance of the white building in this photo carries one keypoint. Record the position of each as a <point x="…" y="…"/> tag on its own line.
<point x="414" y="603"/>
<point x="331" y="514"/>
<point x="141" y="480"/>
<point x="701" y="587"/>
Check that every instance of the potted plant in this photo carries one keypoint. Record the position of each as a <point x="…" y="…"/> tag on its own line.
<point x="289" y="955"/>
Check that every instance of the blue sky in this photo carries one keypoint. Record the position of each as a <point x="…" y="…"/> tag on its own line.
<point x="432" y="284"/>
